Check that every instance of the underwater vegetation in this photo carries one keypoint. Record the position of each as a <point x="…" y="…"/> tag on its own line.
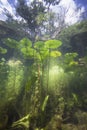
<point x="41" y="88"/>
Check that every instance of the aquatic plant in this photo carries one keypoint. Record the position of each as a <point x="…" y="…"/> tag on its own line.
<point x="3" y="50"/>
<point x="24" y="122"/>
<point x="15" y="78"/>
<point x="69" y="57"/>
<point x="11" y="43"/>
<point x="4" y="70"/>
<point x="50" y="75"/>
<point x="40" y="53"/>
<point x="45" y="103"/>
<point x="37" y="50"/>
<point x="53" y="44"/>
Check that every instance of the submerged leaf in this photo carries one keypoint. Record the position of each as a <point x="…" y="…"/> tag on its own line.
<point x="39" y="45"/>
<point x="28" y="51"/>
<point x="11" y="43"/>
<point x="30" y="83"/>
<point x="44" y="54"/>
<point x="55" y="53"/>
<point x="69" y="57"/>
<point x="25" y="42"/>
<point x="73" y="63"/>
<point x="38" y="56"/>
<point x="53" y="43"/>
<point x="2" y="50"/>
<point x="72" y="55"/>
<point x="75" y="97"/>
<point x="45" y="103"/>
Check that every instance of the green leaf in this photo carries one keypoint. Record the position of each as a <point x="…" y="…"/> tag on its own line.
<point x="45" y="103"/>
<point x="39" y="45"/>
<point x="43" y="52"/>
<point x="11" y="43"/>
<point x="53" y="43"/>
<point x="69" y="57"/>
<point x="28" y="51"/>
<point x="55" y="53"/>
<point x="2" y="50"/>
<point x="73" y="63"/>
<point x="73" y="55"/>
<point x="38" y="56"/>
<point x="25" y="42"/>
<point x="75" y="97"/>
<point x="30" y="83"/>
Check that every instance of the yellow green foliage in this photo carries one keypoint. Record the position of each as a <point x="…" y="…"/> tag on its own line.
<point x="53" y="44"/>
<point x="45" y="103"/>
<point x="55" y="53"/>
<point x="3" y="50"/>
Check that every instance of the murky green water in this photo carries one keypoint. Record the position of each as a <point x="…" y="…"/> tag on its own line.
<point x="42" y="88"/>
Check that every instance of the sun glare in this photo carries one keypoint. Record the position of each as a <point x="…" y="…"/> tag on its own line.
<point x="55" y="70"/>
<point x="54" y="73"/>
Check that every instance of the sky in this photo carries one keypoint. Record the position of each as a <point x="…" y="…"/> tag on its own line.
<point x="5" y="4"/>
<point x="81" y="2"/>
<point x="72" y="16"/>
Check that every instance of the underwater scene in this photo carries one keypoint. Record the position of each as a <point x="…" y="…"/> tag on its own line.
<point x="43" y="65"/>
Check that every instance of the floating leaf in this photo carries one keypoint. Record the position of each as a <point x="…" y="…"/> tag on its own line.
<point x="44" y="53"/>
<point x="73" y="55"/>
<point x="11" y="43"/>
<point x="38" y="56"/>
<point x="25" y="42"/>
<point x="55" y="53"/>
<point x="73" y="63"/>
<point x="2" y="50"/>
<point x="28" y="51"/>
<point x="69" y="57"/>
<point x="39" y="45"/>
<point x="53" y="43"/>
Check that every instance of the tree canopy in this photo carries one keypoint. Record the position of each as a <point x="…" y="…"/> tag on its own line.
<point x="33" y="15"/>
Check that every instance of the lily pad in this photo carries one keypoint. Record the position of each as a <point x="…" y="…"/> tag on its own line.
<point x="73" y="55"/>
<point x="69" y="57"/>
<point x="55" y="53"/>
<point x="28" y="51"/>
<point x="53" y="44"/>
<point x="38" y="56"/>
<point x="44" y="54"/>
<point x="73" y="63"/>
<point x="39" y="45"/>
<point x="25" y="42"/>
